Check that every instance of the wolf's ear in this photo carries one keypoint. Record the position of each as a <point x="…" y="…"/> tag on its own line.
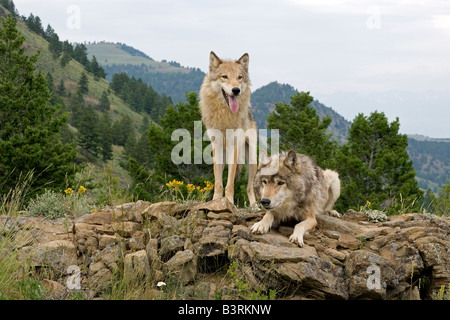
<point x="291" y="159"/>
<point x="244" y="60"/>
<point x="214" y="61"/>
<point x="263" y="158"/>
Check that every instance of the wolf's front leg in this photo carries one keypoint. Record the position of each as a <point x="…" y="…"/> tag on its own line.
<point x="218" y="174"/>
<point x="300" y="229"/>
<point x="264" y="225"/>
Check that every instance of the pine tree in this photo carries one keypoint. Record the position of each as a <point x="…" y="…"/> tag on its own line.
<point x="374" y="165"/>
<point x="61" y="89"/>
<point x="106" y="138"/>
<point x="29" y="126"/>
<point x="122" y="129"/>
<point x="83" y="84"/>
<point x="104" y="102"/>
<point x="80" y="54"/>
<point x="88" y="130"/>
<point x="54" y="45"/>
<point x="183" y="115"/>
<point x="96" y="69"/>
<point x="302" y="130"/>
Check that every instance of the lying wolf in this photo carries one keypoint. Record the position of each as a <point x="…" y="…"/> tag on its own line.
<point x="291" y="186"/>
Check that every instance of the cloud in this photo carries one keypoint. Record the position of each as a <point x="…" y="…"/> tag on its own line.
<point x="441" y="21"/>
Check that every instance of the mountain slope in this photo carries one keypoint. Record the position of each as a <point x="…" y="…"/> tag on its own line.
<point x="174" y="80"/>
<point x="264" y="99"/>
<point x="165" y="77"/>
<point x="71" y="73"/>
<point x="431" y="160"/>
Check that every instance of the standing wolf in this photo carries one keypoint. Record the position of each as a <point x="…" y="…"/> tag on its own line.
<point x="225" y="104"/>
<point x="292" y="187"/>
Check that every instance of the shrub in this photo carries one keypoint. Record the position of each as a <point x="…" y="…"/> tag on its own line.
<point x="49" y="204"/>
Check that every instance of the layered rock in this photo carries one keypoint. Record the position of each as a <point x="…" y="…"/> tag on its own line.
<point x="347" y="258"/>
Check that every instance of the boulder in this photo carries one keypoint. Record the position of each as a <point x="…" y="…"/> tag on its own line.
<point x="136" y="267"/>
<point x="57" y="255"/>
<point x="183" y="265"/>
<point x="369" y="275"/>
<point x="170" y="245"/>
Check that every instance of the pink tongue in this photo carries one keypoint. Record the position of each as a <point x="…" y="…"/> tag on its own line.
<point x="234" y="105"/>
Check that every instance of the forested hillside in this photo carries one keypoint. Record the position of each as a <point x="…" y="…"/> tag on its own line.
<point x="168" y="78"/>
<point x="265" y="98"/>
<point x="111" y="113"/>
<point x="432" y="162"/>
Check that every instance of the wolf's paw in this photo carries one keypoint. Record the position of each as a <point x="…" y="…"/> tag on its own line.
<point x="231" y="199"/>
<point x="297" y="239"/>
<point x="334" y="213"/>
<point x="260" y="227"/>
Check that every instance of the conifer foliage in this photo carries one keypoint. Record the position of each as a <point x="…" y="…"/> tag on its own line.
<point x="302" y="130"/>
<point x="29" y="125"/>
<point x="374" y="165"/>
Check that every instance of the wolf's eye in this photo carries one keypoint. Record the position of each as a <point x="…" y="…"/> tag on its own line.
<point x="240" y="77"/>
<point x="224" y="76"/>
<point x="264" y="182"/>
<point x="280" y="183"/>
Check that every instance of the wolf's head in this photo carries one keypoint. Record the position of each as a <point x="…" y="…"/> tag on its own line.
<point x="229" y="79"/>
<point x="275" y="181"/>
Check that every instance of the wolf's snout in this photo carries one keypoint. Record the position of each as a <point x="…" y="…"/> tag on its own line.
<point x="236" y="91"/>
<point x="265" y="202"/>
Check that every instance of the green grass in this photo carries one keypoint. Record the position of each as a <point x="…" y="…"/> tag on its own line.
<point x="71" y="73"/>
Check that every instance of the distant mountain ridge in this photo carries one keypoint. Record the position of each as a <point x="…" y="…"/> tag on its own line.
<point x="171" y="78"/>
<point x="165" y="77"/>
<point x="264" y="99"/>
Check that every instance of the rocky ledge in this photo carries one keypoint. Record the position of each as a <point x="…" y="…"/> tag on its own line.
<point x="405" y="257"/>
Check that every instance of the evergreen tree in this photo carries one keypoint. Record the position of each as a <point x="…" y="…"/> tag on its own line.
<point x="145" y="185"/>
<point x="49" y="32"/>
<point x="374" y="165"/>
<point x="96" y="69"/>
<point x="76" y="106"/>
<point x="54" y="45"/>
<point x="34" y="23"/>
<point x="106" y="138"/>
<point x="104" y="102"/>
<point x="61" y="89"/>
<point x="80" y="55"/>
<point x="29" y="126"/>
<point x="9" y="5"/>
<point x="180" y="116"/>
<point x="83" y="84"/>
<point x="50" y="84"/>
<point x="88" y="130"/>
<point x="301" y="129"/>
<point x="65" y="58"/>
<point x="122" y="129"/>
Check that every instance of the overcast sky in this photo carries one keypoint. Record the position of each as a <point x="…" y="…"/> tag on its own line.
<point x="354" y="56"/>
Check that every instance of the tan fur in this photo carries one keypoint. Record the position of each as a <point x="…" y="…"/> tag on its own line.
<point x="216" y="114"/>
<point x="297" y="191"/>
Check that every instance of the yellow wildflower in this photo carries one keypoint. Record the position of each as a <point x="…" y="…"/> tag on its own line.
<point x="174" y="184"/>
<point x="190" y="187"/>
<point x="209" y="186"/>
<point x="81" y="189"/>
<point x="368" y="203"/>
<point x="68" y="191"/>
